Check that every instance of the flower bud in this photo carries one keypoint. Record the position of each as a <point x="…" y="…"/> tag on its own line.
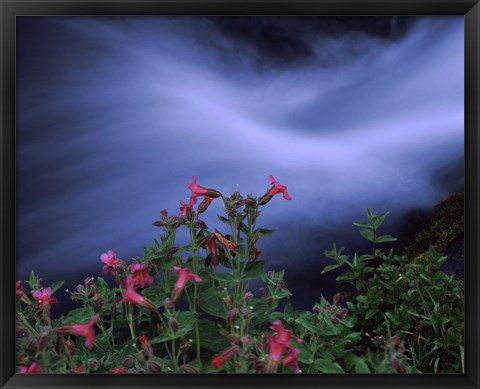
<point x="212" y="193"/>
<point x="251" y="202"/>
<point x="189" y="369"/>
<point x="93" y="364"/>
<point x="167" y="303"/>
<point x="335" y="320"/>
<point x="158" y="223"/>
<point x="202" y="207"/>
<point x="270" y="300"/>
<point x="228" y="302"/>
<point x="251" y="357"/>
<point x="147" y="348"/>
<point x="247" y="339"/>
<point x="248" y="296"/>
<point x="80" y="288"/>
<point x="153" y="366"/>
<point x="281" y="284"/>
<point x="328" y="307"/>
<point x="128" y="361"/>
<point x="270" y="274"/>
<point x="263" y="291"/>
<point x="264" y="199"/>
<point x="341" y="313"/>
<point x="232" y="315"/>
<point x="89" y="281"/>
<point x="173" y="324"/>
<point x="317" y="309"/>
<point x="336" y="298"/>
<point x="171" y="251"/>
<point x="164" y="213"/>
<point x="200" y="224"/>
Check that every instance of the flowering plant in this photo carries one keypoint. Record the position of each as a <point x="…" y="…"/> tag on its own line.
<point x="190" y="308"/>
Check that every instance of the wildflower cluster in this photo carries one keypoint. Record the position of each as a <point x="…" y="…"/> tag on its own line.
<point x="192" y="308"/>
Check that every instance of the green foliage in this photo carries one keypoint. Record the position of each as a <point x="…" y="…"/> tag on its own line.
<point x="398" y="315"/>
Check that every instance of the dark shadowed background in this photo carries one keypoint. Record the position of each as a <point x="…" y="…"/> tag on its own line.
<point x="115" y="114"/>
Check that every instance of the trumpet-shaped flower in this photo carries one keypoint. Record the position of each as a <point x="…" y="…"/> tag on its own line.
<point x="198" y="190"/>
<point x="111" y="262"/>
<point x="220" y="359"/>
<point x="86" y="330"/>
<point x="280" y="343"/>
<point x="140" y="276"/>
<point x="184" y="275"/>
<point x="291" y="359"/>
<point x="278" y="188"/>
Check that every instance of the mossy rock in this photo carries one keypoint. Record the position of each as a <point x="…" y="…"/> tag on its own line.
<point x="447" y="226"/>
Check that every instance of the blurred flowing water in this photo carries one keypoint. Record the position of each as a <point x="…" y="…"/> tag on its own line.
<point x="115" y="114"/>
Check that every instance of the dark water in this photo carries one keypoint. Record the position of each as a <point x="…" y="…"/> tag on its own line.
<point x="114" y="116"/>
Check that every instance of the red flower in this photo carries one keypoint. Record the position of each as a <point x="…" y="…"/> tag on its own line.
<point x="184" y="206"/>
<point x="278" y="188"/>
<point x="119" y="370"/>
<point x="212" y="248"/>
<point x="143" y="340"/>
<point x="219" y="360"/>
<point x="184" y="275"/>
<point x="34" y="367"/>
<point x="43" y="297"/>
<point x="131" y="296"/>
<point x="198" y="190"/>
<point x="111" y="262"/>
<point x="280" y="342"/>
<point x="140" y="276"/>
<point x="81" y="329"/>
<point x="18" y="288"/>
<point x="291" y="359"/>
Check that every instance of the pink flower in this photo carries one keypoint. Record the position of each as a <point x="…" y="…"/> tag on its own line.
<point x="43" y="297"/>
<point x="18" y="288"/>
<point x="196" y="189"/>
<point x="184" y="275"/>
<point x="131" y="296"/>
<point x="291" y="359"/>
<point x="34" y="367"/>
<point x="219" y="360"/>
<point x="184" y="206"/>
<point x="278" y="188"/>
<point x="111" y="262"/>
<point x="280" y="342"/>
<point x="86" y="330"/>
<point x="140" y="276"/>
<point x="233" y="247"/>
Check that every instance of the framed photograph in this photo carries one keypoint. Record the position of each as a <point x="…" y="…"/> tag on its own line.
<point x="261" y="194"/>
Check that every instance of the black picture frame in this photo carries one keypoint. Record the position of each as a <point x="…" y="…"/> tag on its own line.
<point x="10" y="9"/>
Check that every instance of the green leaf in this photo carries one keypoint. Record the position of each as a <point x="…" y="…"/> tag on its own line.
<point x="263" y="231"/>
<point x="361" y="367"/>
<point x="367" y="234"/>
<point x="329" y="268"/>
<point x="167" y="244"/>
<point x="56" y="285"/>
<point x="326" y="366"/>
<point x="253" y="270"/>
<point x="379" y="220"/>
<point x="363" y="225"/>
<point x="385" y="238"/>
<point x="311" y="326"/>
<point x="371" y="312"/>
<point x="370" y="216"/>
<point x="210" y="301"/>
<point x="102" y="286"/>
<point x="79" y="315"/>
<point x="156" y="295"/>
<point x="224" y="277"/>
<point x="223" y="219"/>
<point x="210" y="338"/>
